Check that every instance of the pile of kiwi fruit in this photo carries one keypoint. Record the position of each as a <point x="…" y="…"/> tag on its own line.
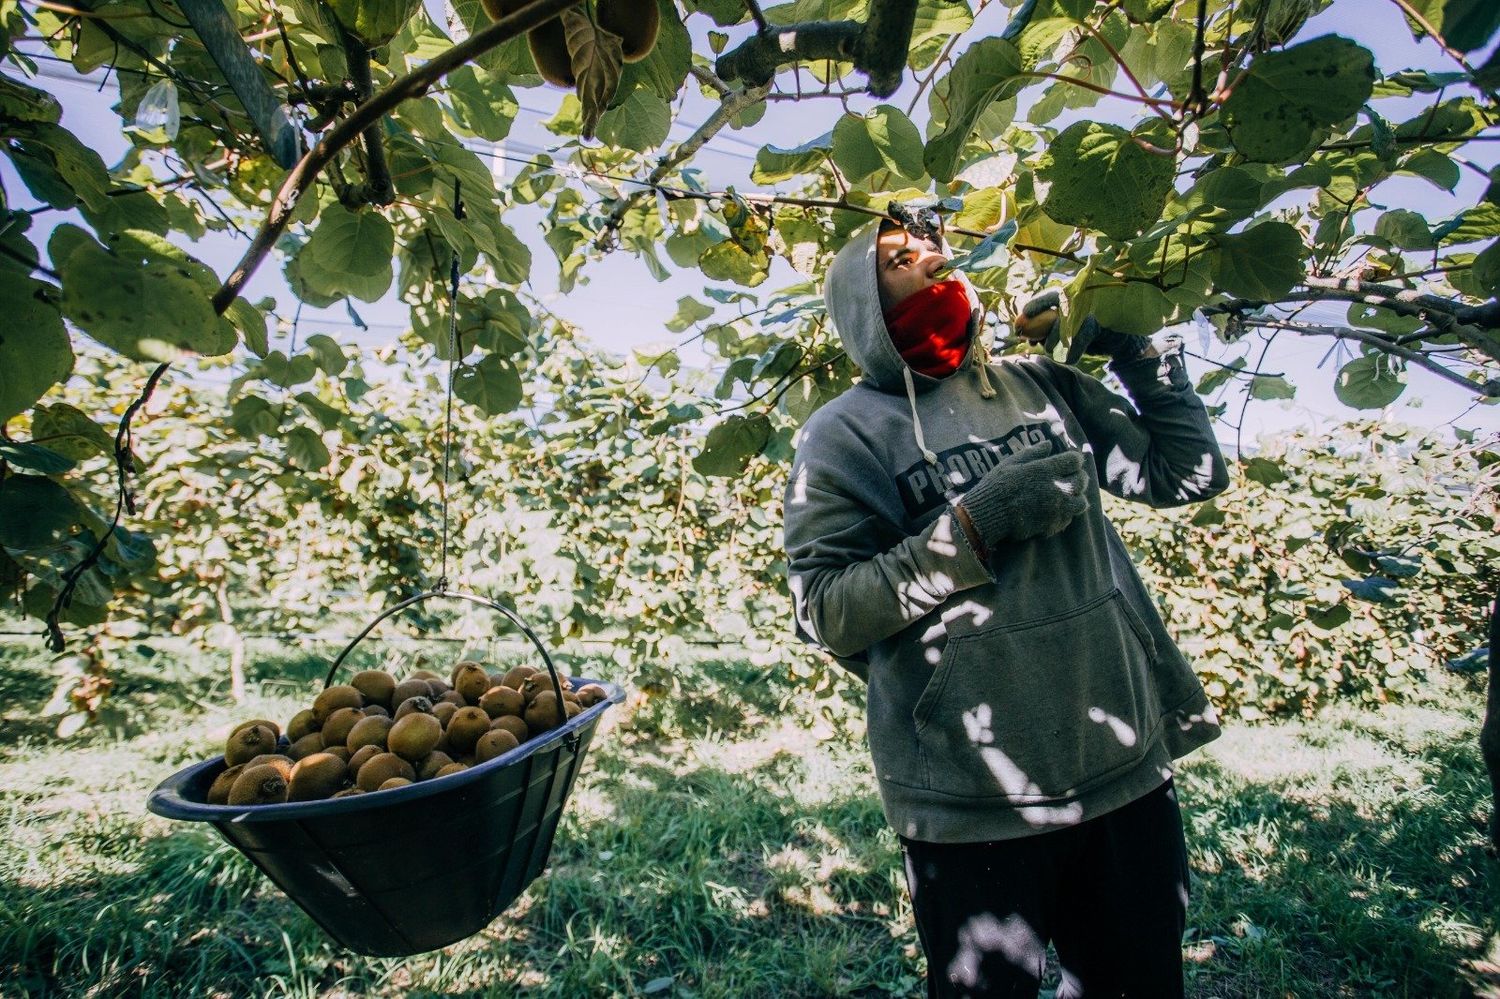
<point x="376" y="733"/>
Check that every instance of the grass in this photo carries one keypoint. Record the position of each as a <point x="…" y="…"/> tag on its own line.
<point x="720" y="843"/>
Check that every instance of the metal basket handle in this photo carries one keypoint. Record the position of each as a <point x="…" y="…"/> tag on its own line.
<point x="471" y="598"/>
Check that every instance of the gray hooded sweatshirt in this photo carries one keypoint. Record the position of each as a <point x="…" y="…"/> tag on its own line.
<point x="1032" y="691"/>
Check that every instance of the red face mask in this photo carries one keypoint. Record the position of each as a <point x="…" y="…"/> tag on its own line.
<point x="930" y="328"/>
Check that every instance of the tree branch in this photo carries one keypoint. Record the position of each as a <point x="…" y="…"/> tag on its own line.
<point x="413" y="84"/>
<point x="734" y="102"/>
<point x="757" y="59"/>
<point x="1490" y="389"/>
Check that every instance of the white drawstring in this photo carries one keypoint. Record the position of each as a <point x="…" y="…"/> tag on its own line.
<point x="986" y="390"/>
<point x="916" y="421"/>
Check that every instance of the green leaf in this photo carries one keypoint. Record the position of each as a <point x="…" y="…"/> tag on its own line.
<point x="1271" y="387"/>
<point x="69" y="431"/>
<point x="329" y="355"/>
<point x="35" y="458"/>
<point x="728" y="261"/>
<point x="1219" y="376"/>
<point x="1439" y="168"/>
<point x="1468" y="24"/>
<point x="251" y="325"/>
<point x="773" y="163"/>
<point x="143" y="297"/>
<point x="730" y="446"/>
<point x="896" y="141"/>
<point x="34" y="350"/>
<point x="327" y="416"/>
<point x="992" y="251"/>
<point x="305" y="449"/>
<point x="597" y="64"/>
<point x="1286" y="95"/>
<point x="1371" y="589"/>
<point x="641" y="122"/>
<point x="1372" y="381"/>
<point x="481" y="103"/>
<point x="1147" y="11"/>
<point x="349" y="253"/>
<point x="1097" y="177"/>
<point x="276" y="369"/>
<point x="36" y="514"/>
<point x="1264" y="471"/>
<point x="1406" y="230"/>
<point x="1262" y="263"/>
<point x="46" y="155"/>
<point x="854" y="152"/>
<point x="493" y="386"/>
<point x="373" y="22"/>
<point x="1486" y="269"/>
<point x="689" y="311"/>
<point x="986" y="72"/>
<point x="1330" y="618"/>
<point x="252" y="417"/>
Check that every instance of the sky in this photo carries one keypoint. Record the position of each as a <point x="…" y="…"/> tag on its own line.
<point x="622" y="309"/>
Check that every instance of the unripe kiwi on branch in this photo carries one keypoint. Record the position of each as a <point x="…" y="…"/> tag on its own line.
<point x="635" y="21"/>
<point x="547" y="41"/>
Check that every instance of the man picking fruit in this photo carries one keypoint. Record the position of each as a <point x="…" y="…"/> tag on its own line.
<point x="1025" y="703"/>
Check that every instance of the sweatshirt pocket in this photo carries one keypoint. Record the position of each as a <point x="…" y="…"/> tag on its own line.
<point x="1040" y="709"/>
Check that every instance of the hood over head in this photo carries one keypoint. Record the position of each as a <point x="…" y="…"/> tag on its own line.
<point x="852" y="293"/>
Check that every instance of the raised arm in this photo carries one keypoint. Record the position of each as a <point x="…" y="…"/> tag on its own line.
<point x="1160" y="451"/>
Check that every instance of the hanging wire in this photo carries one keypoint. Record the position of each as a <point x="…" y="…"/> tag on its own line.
<point x="458" y="214"/>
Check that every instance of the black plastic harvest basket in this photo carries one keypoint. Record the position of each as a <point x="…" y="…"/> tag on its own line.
<point x="364" y="867"/>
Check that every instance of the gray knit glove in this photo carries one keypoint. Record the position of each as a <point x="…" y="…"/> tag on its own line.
<point x="1035" y="494"/>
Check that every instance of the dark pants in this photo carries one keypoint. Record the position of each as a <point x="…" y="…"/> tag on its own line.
<point x="1110" y="894"/>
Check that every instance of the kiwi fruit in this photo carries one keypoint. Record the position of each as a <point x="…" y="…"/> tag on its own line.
<point x="471" y="681"/>
<point x="262" y="785"/>
<point x="414" y="705"/>
<point x="452" y="697"/>
<point x="538" y="682"/>
<point x="283" y="764"/>
<point x="315" y="777"/>
<point x="368" y="732"/>
<point x="467" y="725"/>
<point x="592" y="693"/>
<point x="410" y="687"/>
<point x="635" y="21"/>
<point x="342" y="752"/>
<point x="363" y="755"/>
<point x="348" y="792"/>
<point x="394" y="783"/>
<point x="493" y="743"/>
<point x="443" y="711"/>
<point x="301" y="724"/>
<point x="414" y="736"/>
<point x="439" y="687"/>
<point x="376" y="711"/>
<point x="571" y="707"/>
<point x="452" y="768"/>
<point x="513" y="724"/>
<point x="263" y="722"/>
<point x="375" y="685"/>
<point x="306" y="746"/>
<point x="218" y="791"/>
<point x="517" y="675"/>
<point x="502" y="700"/>
<point x="432" y="763"/>
<point x="245" y="744"/>
<point x="335" y="730"/>
<point x="548" y="43"/>
<point x="496" y="679"/>
<point x="425" y="674"/>
<point x="543" y="712"/>
<point x="332" y="698"/>
<point x="380" y="769"/>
